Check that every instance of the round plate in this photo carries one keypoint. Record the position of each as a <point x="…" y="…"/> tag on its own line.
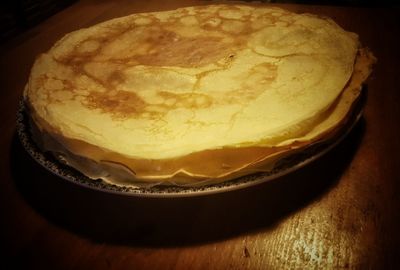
<point x="283" y="167"/>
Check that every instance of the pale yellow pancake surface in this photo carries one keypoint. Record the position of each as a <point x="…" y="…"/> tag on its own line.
<point x="166" y="85"/>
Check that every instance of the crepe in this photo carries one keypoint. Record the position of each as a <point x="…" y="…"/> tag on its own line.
<point x="193" y="94"/>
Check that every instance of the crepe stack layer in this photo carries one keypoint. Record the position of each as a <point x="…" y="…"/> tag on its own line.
<point x="194" y="95"/>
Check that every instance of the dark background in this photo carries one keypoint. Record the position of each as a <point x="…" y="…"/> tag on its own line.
<point x="19" y="15"/>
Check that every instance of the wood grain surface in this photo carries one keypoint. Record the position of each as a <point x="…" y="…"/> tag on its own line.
<point x="342" y="211"/>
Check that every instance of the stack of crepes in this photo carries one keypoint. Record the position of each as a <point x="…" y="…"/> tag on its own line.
<point x="194" y="95"/>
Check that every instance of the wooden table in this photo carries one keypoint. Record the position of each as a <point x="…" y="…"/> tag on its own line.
<point x="342" y="211"/>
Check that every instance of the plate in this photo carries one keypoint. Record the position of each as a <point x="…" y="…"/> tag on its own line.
<point x="283" y="167"/>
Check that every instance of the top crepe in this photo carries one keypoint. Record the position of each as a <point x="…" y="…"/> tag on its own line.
<point x="166" y="85"/>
